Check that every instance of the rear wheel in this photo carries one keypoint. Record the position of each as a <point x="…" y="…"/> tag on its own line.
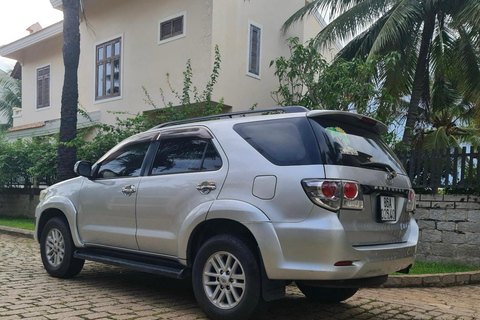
<point x="57" y="248"/>
<point x="326" y="295"/>
<point x="226" y="278"/>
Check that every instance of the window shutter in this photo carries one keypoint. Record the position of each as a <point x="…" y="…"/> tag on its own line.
<point x="43" y="87"/>
<point x="39" y="92"/>
<point x="46" y="87"/>
<point x="166" y="30"/>
<point x="255" y="42"/>
<point x="178" y="26"/>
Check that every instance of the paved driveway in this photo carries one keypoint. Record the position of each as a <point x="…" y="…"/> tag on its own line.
<point x="104" y="292"/>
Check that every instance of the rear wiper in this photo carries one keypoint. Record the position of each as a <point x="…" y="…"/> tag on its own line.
<point x="380" y="165"/>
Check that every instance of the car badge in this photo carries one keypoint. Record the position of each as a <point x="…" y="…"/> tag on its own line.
<point x="389" y="177"/>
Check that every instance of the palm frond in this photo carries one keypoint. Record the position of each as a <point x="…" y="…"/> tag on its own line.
<point x="438" y="139"/>
<point x="10" y="96"/>
<point x="407" y="13"/>
<point x="351" y="22"/>
<point x="467" y="60"/>
<point x="334" y="7"/>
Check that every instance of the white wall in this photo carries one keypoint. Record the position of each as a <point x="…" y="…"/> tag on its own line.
<point x="146" y="63"/>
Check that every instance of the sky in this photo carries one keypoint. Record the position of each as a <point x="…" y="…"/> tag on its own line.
<point x="18" y="15"/>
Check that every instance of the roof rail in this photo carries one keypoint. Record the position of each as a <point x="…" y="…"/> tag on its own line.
<point x="293" y="109"/>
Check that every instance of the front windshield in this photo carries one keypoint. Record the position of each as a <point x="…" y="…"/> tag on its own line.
<point x="349" y="145"/>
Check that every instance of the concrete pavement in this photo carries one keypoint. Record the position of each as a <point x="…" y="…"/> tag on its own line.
<point x="106" y="292"/>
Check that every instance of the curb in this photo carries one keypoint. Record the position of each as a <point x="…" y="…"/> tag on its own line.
<point x="439" y="280"/>
<point x="17" y="232"/>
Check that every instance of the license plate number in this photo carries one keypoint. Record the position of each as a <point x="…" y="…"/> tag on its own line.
<point x="387" y="209"/>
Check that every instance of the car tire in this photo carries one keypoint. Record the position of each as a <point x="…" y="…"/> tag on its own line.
<point x="326" y="295"/>
<point x="226" y="278"/>
<point x="57" y="248"/>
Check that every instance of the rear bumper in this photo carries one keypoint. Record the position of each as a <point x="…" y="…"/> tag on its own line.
<point x="308" y="250"/>
<point x="349" y="283"/>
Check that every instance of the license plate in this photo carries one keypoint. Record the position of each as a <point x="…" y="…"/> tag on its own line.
<point x="387" y="209"/>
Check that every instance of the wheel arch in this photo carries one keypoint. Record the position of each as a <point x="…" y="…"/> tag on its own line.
<point x="210" y="228"/>
<point x="58" y="207"/>
<point x="237" y="217"/>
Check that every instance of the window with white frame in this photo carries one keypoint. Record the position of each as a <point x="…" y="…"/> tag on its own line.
<point x="172" y="28"/>
<point x="107" y="71"/>
<point x="254" y="49"/>
<point x="43" y="87"/>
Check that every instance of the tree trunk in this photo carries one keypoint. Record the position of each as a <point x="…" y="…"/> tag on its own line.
<point x="420" y="73"/>
<point x="68" y="123"/>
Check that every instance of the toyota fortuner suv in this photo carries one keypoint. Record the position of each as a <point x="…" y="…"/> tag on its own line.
<point x="243" y="205"/>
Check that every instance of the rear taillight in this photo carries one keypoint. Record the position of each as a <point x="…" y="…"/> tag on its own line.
<point x="411" y="203"/>
<point x="334" y="194"/>
<point x="326" y="194"/>
<point x="350" y="190"/>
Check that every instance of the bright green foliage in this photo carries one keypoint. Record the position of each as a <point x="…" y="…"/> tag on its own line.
<point x="306" y="79"/>
<point x="37" y="157"/>
<point x="29" y="160"/>
<point x="427" y="34"/>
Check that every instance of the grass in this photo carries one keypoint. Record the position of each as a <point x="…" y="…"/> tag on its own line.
<point x="16" y="222"/>
<point x="430" y="267"/>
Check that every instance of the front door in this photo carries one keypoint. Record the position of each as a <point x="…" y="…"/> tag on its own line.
<point x="187" y="172"/>
<point x="106" y="211"/>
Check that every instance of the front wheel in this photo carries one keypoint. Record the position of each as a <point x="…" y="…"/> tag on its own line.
<point x="226" y="278"/>
<point x="57" y="248"/>
<point x="326" y="295"/>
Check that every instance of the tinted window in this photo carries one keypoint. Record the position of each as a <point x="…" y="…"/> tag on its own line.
<point x="125" y="162"/>
<point x="349" y="145"/>
<point x="212" y="160"/>
<point x="185" y="155"/>
<point x="285" y="142"/>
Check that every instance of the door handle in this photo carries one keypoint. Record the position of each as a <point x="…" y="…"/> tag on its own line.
<point x="206" y="187"/>
<point x="129" y="190"/>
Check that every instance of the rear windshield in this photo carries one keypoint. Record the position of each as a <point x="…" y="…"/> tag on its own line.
<point x="284" y="142"/>
<point x="349" y="145"/>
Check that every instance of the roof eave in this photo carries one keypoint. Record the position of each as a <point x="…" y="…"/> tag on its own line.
<point x="57" y="4"/>
<point x="32" y="39"/>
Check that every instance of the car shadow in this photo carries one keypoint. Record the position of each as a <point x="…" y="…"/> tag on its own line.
<point x="178" y="294"/>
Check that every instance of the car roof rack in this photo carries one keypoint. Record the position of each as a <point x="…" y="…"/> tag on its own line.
<point x="292" y="109"/>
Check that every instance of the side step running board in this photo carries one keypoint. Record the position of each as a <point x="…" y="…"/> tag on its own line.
<point x="156" y="266"/>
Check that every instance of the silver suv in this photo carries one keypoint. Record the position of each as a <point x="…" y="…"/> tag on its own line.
<point x="242" y="204"/>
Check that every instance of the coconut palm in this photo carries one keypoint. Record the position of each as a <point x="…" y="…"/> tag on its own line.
<point x="10" y="96"/>
<point x="451" y="116"/>
<point x="422" y="31"/>
<point x="67" y="154"/>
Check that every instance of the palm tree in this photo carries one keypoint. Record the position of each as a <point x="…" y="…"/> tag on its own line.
<point x="451" y="115"/>
<point x="422" y="31"/>
<point x="10" y="96"/>
<point x="67" y="154"/>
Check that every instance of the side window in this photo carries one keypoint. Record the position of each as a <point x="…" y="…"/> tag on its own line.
<point x="125" y="162"/>
<point x="286" y="142"/>
<point x="212" y="160"/>
<point x="181" y="155"/>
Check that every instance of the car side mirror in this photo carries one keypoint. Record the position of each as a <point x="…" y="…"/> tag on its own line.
<point x="83" y="168"/>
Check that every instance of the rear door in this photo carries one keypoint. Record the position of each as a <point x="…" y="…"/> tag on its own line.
<point x="188" y="171"/>
<point x="353" y="151"/>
